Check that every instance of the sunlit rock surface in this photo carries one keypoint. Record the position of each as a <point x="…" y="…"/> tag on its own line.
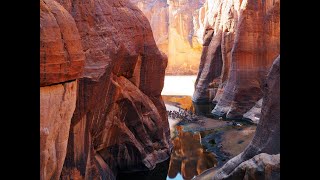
<point x="57" y="104"/>
<point x="178" y="29"/>
<point x="120" y="121"/>
<point x="242" y="39"/>
<point x="61" y="54"/>
<point x="61" y="63"/>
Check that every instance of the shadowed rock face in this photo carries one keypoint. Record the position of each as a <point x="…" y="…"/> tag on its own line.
<point x="241" y="41"/>
<point x="266" y="139"/>
<point x="178" y="28"/>
<point x="120" y="120"/>
<point x="61" y="63"/>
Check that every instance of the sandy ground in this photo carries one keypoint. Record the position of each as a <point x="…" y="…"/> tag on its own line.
<point x="235" y="141"/>
<point x="204" y="124"/>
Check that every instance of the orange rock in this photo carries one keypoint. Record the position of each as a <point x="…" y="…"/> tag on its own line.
<point x="61" y="54"/>
<point x="57" y="104"/>
<point x="120" y="120"/>
<point x="177" y="27"/>
<point x="61" y="63"/>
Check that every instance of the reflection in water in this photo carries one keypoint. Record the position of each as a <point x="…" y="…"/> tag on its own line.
<point x="188" y="157"/>
<point x="203" y="109"/>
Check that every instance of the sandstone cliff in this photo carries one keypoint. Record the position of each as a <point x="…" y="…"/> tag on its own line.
<point x="120" y="122"/>
<point x="242" y="39"/>
<point x="178" y="29"/>
<point x="261" y="158"/>
<point x="61" y="63"/>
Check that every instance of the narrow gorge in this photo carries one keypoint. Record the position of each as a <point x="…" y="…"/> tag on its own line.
<point x="159" y="89"/>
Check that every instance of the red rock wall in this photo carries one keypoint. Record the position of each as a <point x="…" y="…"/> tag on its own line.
<point x="61" y="55"/>
<point x="120" y="120"/>
<point x="61" y="63"/>
<point x="248" y="34"/>
<point x="266" y="140"/>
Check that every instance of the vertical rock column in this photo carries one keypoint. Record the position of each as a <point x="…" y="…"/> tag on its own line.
<point x="120" y="122"/>
<point x="247" y="33"/>
<point x="264" y="149"/>
<point x="61" y="64"/>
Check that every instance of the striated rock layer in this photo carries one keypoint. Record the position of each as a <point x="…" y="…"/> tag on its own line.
<point x="266" y="139"/>
<point x="61" y="54"/>
<point x="61" y="63"/>
<point x="178" y="29"/>
<point x="120" y="121"/>
<point x="242" y="39"/>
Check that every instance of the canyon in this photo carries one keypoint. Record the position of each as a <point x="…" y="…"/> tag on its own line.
<point x="178" y="28"/>
<point x="242" y="39"/>
<point x="101" y="80"/>
<point x="104" y="106"/>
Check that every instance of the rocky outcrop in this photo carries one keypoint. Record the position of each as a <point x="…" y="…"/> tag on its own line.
<point x="242" y="39"/>
<point x="61" y="63"/>
<point x="61" y="54"/>
<point x="261" y="166"/>
<point x="57" y="104"/>
<point x="266" y="139"/>
<point x="120" y="120"/>
<point x="254" y="114"/>
<point x="178" y="28"/>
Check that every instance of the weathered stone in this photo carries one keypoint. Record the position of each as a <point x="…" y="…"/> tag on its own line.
<point x="261" y="166"/>
<point x="120" y="121"/>
<point x="245" y="41"/>
<point x="267" y="136"/>
<point x="57" y="104"/>
<point x="254" y="114"/>
<point x="61" y="63"/>
<point x="61" y="54"/>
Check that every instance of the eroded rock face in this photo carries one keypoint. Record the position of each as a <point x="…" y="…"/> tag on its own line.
<point x="61" y="55"/>
<point x="267" y="136"/>
<point x="254" y="114"/>
<point x="57" y="104"/>
<point x="241" y="41"/>
<point x="261" y="166"/>
<point x="178" y="29"/>
<point x="61" y="63"/>
<point x="120" y="121"/>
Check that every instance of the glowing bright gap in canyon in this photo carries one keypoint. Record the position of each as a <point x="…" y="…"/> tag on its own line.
<point x="179" y="85"/>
